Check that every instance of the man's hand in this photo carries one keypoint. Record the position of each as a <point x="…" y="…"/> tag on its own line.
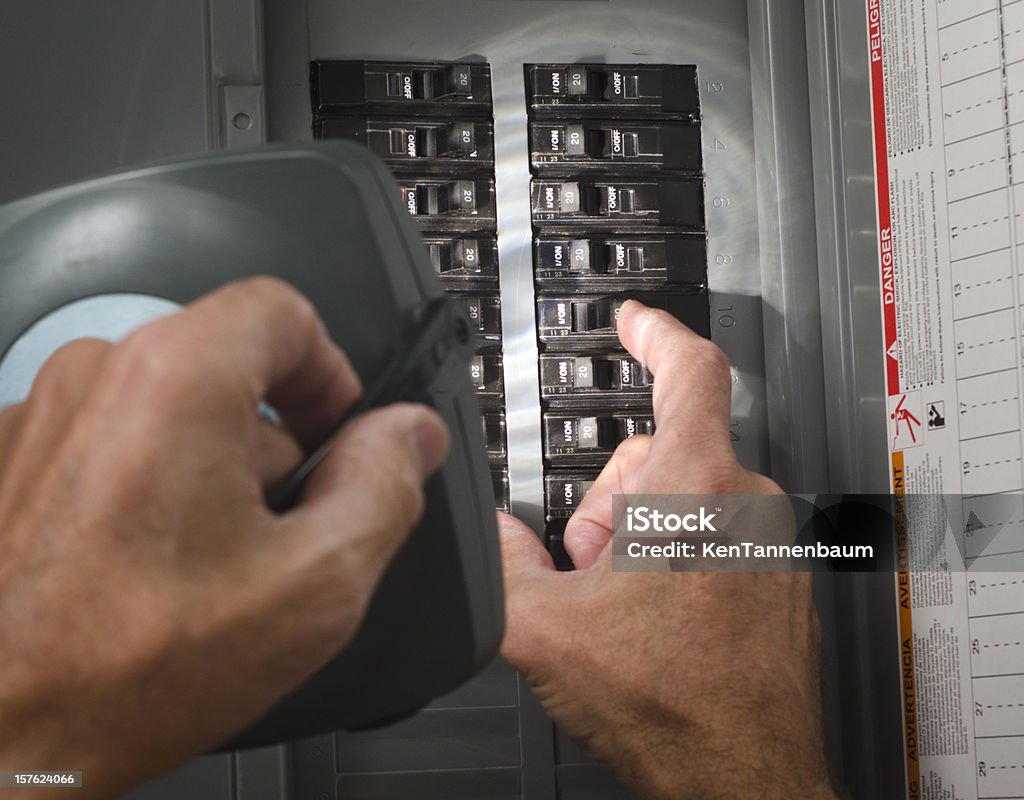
<point x="688" y="685"/>
<point x="150" y="605"/>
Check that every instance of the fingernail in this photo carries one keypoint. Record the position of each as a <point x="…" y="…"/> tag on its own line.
<point x="430" y="440"/>
<point x="641" y="322"/>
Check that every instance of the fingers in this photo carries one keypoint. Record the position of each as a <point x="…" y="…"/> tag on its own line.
<point x="363" y="500"/>
<point x="60" y="388"/>
<point x="589" y="530"/>
<point x="252" y="340"/>
<point x="531" y="588"/>
<point x="693" y="384"/>
<point x="521" y="549"/>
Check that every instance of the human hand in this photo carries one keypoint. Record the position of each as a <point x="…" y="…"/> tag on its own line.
<point x="150" y="604"/>
<point x="689" y="685"/>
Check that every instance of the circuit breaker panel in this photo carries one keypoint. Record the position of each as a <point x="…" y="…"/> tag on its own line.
<point x="617" y="207"/>
<point x="616" y="210"/>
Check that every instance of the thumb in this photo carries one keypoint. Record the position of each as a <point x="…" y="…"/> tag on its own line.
<point x="521" y="548"/>
<point x="365" y="497"/>
<point x="531" y="584"/>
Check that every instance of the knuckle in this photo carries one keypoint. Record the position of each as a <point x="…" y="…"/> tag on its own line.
<point x="408" y="490"/>
<point x="707" y="355"/>
<point x="154" y="362"/>
<point x="274" y="292"/>
<point x="761" y="484"/>
<point x="147" y="354"/>
<point x="724" y="476"/>
<point x="632" y="452"/>
<point x="71" y="363"/>
<point x="10" y="414"/>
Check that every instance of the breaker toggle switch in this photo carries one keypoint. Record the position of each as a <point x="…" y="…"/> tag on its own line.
<point x="487" y="377"/>
<point x="464" y="262"/>
<point x="456" y="139"/>
<point x="625" y="146"/>
<point x="590" y="438"/>
<point x="563" y="492"/>
<point x="615" y="260"/>
<point x="613" y="376"/>
<point x="639" y="203"/>
<point x="444" y="203"/>
<point x="425" y="87"/>
<point x="588" y="321"/>
<point x="636" y="90"/>
<point x="484" y="312"/>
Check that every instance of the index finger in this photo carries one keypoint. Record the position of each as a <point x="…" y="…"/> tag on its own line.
<point x="250" y="341"/>
<point x="692" y="383"/>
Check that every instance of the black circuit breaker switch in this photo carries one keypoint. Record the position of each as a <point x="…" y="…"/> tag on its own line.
<point x="501" y="492"/>
<point x="487" y="377"/>
<point x="563" y="492"/>
<point x="623" y="203"/>
<point x="572" y="322"/>
<point x="637" y="90"/>
<point x="464" y="262"/>
<point x="484" y="312"/>
<point x="495" y="441"/>
<point x="417" y="144"/>
<point x="582" y="438"/>
<point x="620" y="261"/>
<point x="555" y="543"/>
<point x="338" y="86"/>
<point x="624" y="147"/>
<point x="614" y="376"/>
<point x="437" y="202"/>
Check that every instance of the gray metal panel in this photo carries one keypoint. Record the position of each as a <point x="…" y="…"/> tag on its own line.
<point x="792" y="319"/>
<point x="208" y="778"/>
<point x="259" y="774"/>
<point x="866" y="648"/>
<point x="124" y="82"/>
<point x="789" y="271"/>
<point x="90" y="87"/>
<point x="847" y="246"/>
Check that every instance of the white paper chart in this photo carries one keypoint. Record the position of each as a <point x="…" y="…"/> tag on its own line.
<point x="948" y="105"/>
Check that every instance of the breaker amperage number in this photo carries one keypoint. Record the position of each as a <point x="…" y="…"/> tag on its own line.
<point x="464" y="262"/>
<point x="495" y="440"/>
<point x="584" y="438"/>
<point x="419" y="87"/>
<point x="484" y="312"/>
<point x="597" y="261"/>
<point x="613" y="376"/>
<point x="440" y="202"/>
<point x="627" y="89"/>
<point x="415" y="143"/>
<point x="487" y="377"/>
<point x="563" y="492"/>
<point x="620" y="203"/>
<point x="622" y="146"/>
<point x="580" y="321"/>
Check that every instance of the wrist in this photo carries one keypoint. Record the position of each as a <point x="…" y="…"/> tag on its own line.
<point x="697" y="762"/>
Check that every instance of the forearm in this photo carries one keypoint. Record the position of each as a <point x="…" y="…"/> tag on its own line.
<point x="704" y="769"/>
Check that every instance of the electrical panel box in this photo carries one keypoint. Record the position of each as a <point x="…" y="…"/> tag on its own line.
<point x="557" y="159"/>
